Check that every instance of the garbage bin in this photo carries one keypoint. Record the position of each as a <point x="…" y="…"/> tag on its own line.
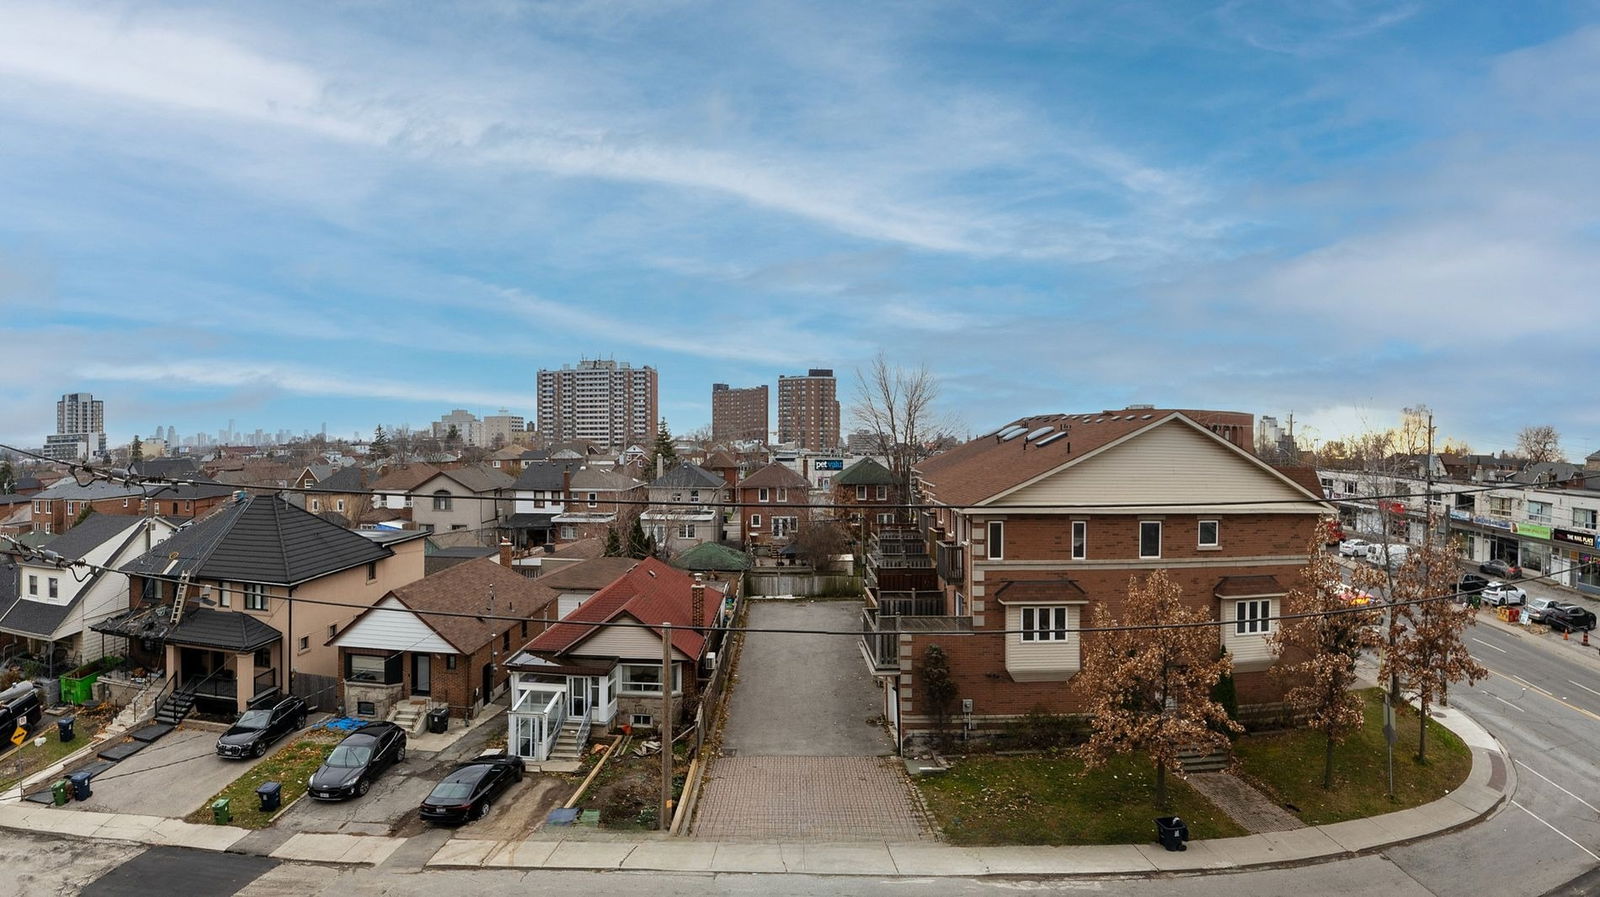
<point x="221" y="812"/>
<point x="80" y="785"/>
<point x="439" y="720"/>
<point x="271" y="794"/>
<point x="1513" y="614"/>
<point x="1172" y="832"/>
<point x="59" y="792"/>
<point x="64" y="727"/>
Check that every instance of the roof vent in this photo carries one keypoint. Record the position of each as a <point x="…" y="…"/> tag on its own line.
<point x="1012" y="434"/>
<point x="1052" y="438"/>
<point x="1037" y="433"/>
<point x="1140" y="408"/>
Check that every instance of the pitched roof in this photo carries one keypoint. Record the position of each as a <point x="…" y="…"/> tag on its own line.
<point x="600" y="479"/>
<point x="477" y="586"/>
<point x="262" y="539"/>
<point x="405" y="477"/>
<point x="345" y="479"/>
<point x="1303" y="475"/>
<point x="989" y="465"/>
<point x="68" y="488"/>
<point x="93" y="532"/>
<point x="176" y="468"/>
<point x="719" y="460"/>
<point x="1247" y="586"/>
<point x="224" y="630"/>
<point x="775" y="475"/>
<point x="595" y="574"/>
<point x="651" y="593"/>
<point x="688" y="476"/>
<point x="591" y="547"/>
<point x="865" y="472"/>
<point x="479" y="478"/>
<point x="711" y="556"/>
<point x="544" y="476"/>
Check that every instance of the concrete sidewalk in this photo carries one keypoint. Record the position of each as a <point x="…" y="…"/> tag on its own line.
<point x="1489" y="785"/>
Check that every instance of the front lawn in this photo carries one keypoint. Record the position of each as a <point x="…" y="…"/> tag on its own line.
<point x="1288" y="767"/>
<point x="1053" y="800"/>
<point x="290" y="765"/>
<point x="19" y="763"/>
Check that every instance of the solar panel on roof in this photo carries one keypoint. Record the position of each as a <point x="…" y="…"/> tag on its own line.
<point x="1049" y="439"/>
<point x="1039" y="432"/>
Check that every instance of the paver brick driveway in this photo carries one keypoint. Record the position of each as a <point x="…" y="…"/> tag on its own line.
<point x="804" y="757"/>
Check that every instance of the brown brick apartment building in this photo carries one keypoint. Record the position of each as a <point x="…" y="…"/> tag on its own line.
<point x="1036" y="523"/>
<point x="739" y="414"/>
<point x="808" y="410"/>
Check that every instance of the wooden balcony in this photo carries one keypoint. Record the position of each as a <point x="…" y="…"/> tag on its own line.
<point x="950" y="561"/>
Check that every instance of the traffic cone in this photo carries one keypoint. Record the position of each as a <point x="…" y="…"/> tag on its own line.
<point x="1586" y="638"/>
<point x="1566" y="635"/>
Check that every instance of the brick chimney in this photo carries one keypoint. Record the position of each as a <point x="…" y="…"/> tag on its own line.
<point x="505" y="553"/>
<point x="566" y="488"/>
<point x="697" y="601"/>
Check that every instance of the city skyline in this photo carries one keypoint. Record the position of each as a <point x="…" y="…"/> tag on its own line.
<point x="308" y="213"/>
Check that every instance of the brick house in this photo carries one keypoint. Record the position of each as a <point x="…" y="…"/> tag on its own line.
<point x="58" y="508"/>
<point x="1036" y="523"/>
<point x="416" y="646"/>
<point x="773" y="503"/>
<point x="601" y="666"/>
<point x="867" y="493"/>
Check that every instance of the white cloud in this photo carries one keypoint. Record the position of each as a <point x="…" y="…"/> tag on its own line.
<point x="236" y="373"/>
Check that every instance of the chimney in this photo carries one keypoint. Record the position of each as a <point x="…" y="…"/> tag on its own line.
<point x="697" y="601"/>
<point x="505" y="553"/>
<point x="566" y="487"/>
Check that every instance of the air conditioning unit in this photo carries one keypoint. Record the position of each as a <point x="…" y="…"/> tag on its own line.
<point x="710" y="661"/>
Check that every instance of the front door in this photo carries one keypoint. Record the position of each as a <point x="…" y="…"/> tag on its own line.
<point x="578" y="695"/>
<point x="422" y="674"/>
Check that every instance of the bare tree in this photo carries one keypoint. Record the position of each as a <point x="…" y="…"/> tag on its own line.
<point x="819" y="542"/>
<point x="895" y="405"/>
<point x="1321" y="649"/>
<point x="1540" y="444"/>
<point x="1427" y="646"/>
<point x="1150" y="690"/>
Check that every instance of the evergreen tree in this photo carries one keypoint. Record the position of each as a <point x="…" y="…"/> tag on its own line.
<point x="380" y="447"/>
<point x="453" y="436"/>
<point x="613" y="543"/>
<point x="663" y="450"/>
<point x="136" y="451"/>
<point x="638" y="543"/>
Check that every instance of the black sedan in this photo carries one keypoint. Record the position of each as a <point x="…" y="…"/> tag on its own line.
<point x="469" y="790"/>
<point x="1500" y="569"/>
<point x="256" y="730"/>
<point x="359" y="758"/>
<point x="1568" y="618"/>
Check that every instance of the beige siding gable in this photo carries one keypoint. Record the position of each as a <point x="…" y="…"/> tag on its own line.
<point x="1042" y="661"/>
<point x="1250" y="651"/>
<point x="1172" y="464"/>
<point x="629" y="643"/>
<point x="393" y="628"/>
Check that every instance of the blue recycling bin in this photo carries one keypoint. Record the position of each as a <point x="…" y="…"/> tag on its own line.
<point x="80" y="785"/>
<point x="65" y="728"/>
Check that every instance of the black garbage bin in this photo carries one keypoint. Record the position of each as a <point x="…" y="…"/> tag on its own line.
<point x="80" y="785"/>
<point x="439" y="720"/>
<point x="1172" y="832"/>
<point x="65" y="726"/>
<point x="271" y="794"/>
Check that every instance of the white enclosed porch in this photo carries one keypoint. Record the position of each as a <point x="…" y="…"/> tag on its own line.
<point x="553" y="709"/>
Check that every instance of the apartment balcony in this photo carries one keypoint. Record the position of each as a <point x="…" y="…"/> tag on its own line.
<point x="950" y="562"/>
<point x="880" y="634"/>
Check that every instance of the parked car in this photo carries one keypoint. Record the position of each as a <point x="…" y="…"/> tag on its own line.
<point x="1535" y="610"/>
<point x="20" y="708"/>
<point x="256" y="730"/>
<point x="1501" y="569"/>
<point x="357" y="760"/>
<point x="469" y="790"/>
<point x="1391" y="556"/>
<point x="1354" y="548"/>
<point x="1569" y="618"/>
<point x="1499" y="594"/>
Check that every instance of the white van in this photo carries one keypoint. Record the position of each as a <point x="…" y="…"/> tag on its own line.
<point x="1392" y="555"/>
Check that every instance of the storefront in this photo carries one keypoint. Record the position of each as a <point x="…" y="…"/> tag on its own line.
<point x="1534" y="547"/>
<point x="1579" y="557"/>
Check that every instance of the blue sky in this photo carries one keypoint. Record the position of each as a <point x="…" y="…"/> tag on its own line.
<point x="365" y="212"/>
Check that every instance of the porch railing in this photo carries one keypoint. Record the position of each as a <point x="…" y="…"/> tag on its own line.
<point x="880" y="644"/>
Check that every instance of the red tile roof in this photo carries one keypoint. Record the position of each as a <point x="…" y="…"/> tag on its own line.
<point x="650" y="593"/>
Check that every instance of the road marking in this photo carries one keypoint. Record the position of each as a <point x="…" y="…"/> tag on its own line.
<point x="1487" y="645"/>
<point x="1507" y="703"/>
<point x="1532" y="687"/>
<point x="1557" y="787"/>
<point x="1554" y="829"/>
<point x="1585" y="687"/>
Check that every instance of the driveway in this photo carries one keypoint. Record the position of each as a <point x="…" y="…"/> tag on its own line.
<point x="804" y="752"/>
<point x="176" y="775"/>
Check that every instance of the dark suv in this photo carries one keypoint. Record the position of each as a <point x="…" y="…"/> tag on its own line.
<point x="256" y="730"/>
<point x="1471" y="584"/>
<point x="1568" y="618"/>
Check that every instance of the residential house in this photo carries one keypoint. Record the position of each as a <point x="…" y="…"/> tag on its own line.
<point x="540" y="492"/>
<point x="343" y="492"/>
<point x="239" y="606"/>
<point x="1038" y="523"/>
<point x="602" y="664"/>
<point x="576" y="583"/>
<point x="687" y="508"/>
<point x="473" y="499"/>
<point x="57" y="508"/>
<point x="396" y="489"/>
<point x="773" y="503"/>
<point x="53" y="607"/>
<point x="440" y="641"/>
<point x="723" y="465"/>
<point x="867" y="495"/>
<point x="551" y="558"/>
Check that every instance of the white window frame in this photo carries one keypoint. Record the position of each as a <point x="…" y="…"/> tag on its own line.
<point x="1216" y="534"/>
<point x="1157" y="525"/>
<point x="755" y="521"/>
<point x="442" y="500"/>
<point x="1080" y="540"/>
<point x="994" y="548"/>
<point x="33" y="584"/>
<point x="686" y="531"/>
<point x="316" y="504"/>
<point x="255" y="595"/>
<point x="762" y="494"/>
<point x="886" y="517"/>
<point x="339" y="505"/>
<point x="53" y="587"/>
<point x="882" y="493"/>
<point x="1252" y="616"/>
<point x="861" y="493"/>
<point x="627" y="686"/>
<point x="1584" y="517"/>
<point x="1043" y="623"/>
<point x="594" y="499"/>
<point x="783" y="493"/>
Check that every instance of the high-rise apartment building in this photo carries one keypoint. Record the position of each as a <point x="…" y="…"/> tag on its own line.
<point x="608" y="403"/>
<point x="808" y="410"/>
<point x="80" y="428"/>
<point x="738" y="414"/>
<point x="503" y="428"/>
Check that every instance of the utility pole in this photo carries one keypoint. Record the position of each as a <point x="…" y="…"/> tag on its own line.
<point x="665" y="820"/>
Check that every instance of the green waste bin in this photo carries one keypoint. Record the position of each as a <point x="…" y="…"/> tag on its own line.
<point x="221" y="812"/>
<point x="59" y="791"/>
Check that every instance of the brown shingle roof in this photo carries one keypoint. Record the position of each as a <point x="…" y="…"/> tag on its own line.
<point x="774" y="475"/>
<point x="1243" y="586"/>
<point x="406" y="477"/>
<point x="987" y="466"/>
<point x="466" y="589"/>
<point x="595" y="573"/>
<point x="591" y="547"/>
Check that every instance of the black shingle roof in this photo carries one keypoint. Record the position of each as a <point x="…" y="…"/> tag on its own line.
<point x="689" y="476"/>
<point x="545" y="475"/>
<point x="259" y="539"/>
<point x="222" y="630"/>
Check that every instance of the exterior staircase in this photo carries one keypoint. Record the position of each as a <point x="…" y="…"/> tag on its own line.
<point x="175" y="708"/>
<point x="410" y="716"/>
<point x="567" y="746"/>
<point x="1194" y="760"/>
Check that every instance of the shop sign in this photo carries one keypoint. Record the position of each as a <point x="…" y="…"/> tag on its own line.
<point x="1494" y="522"/>
<point x="1533" y="530"/>
<point x="1573" y="537"/>
<point x="1458" y="514"/>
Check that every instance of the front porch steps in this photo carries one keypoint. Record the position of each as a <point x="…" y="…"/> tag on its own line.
<point x="175" y="709"/>
<point x="1194" y="760"/>
<point x="411" y="716"/>
<point x="567" y="746"/>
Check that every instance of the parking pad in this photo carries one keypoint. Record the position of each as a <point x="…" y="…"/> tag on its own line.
<point x="151" y="732"/>
<point x="123" y="751"/>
